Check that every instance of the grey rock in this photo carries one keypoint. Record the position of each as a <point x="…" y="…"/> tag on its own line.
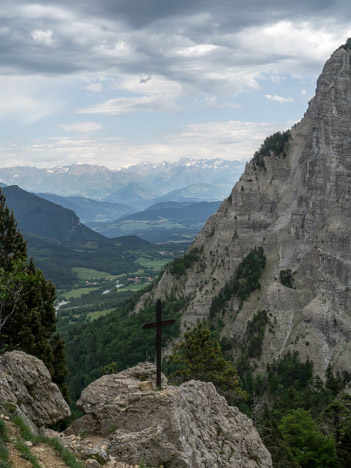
<point x="299" y="209"/>
<point x="116" y="464"/>
<point x="91" y="463"/>
<point x="190" y="426"/>
<point x="85" y="424"/>
<point x="25" y="384"/>
<point x="96" y="453"/>
<point x="103" y="401"/>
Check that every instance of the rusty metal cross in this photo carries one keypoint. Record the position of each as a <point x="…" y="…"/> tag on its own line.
<point x="158" y="325"/>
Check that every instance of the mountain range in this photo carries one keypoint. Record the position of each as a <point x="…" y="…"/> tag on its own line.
<point x="138" y="186"/>
<point x="60" y="242"/>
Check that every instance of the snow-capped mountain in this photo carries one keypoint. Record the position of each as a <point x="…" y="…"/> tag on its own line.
<point x="101" y="183"/>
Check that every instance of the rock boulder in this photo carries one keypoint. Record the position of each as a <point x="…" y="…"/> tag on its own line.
<point x="25" y="384"/>
<point x="179" y="427"/>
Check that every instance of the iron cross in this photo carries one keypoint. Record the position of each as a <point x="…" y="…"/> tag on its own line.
<point x="158" y="324"/>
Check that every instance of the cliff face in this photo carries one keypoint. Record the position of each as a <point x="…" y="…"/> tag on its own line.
<point x="297" y="207"/>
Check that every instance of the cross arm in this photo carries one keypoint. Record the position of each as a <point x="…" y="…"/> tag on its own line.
<point x="163" y="323"/>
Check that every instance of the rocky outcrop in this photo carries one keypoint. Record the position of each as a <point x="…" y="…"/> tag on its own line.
<point x="26" y="387"/>
<point x="190" y="426"/>
<point x="296" y="204"/>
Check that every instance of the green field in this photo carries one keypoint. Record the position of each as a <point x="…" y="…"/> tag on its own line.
<point x="154" y="264"/>
<point x="85" y="274"/>
<point x="130" y="226"/>
<point x="77" y="292"/>
<point x="133" y="287"/>
<point x="99" y="313"/>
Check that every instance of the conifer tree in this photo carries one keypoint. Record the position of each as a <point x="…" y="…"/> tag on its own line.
<point x="199" y="356"/>
<point x="27" y="314"/>
<point x="12" y="244"/>
<point x="309" y="447"/>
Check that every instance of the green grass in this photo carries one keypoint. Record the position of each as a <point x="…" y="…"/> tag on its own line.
<point x="4" y="464"/>
<point x="77" y="292"/>
<point x="154" y="264"/>
<point x="4" y="453"/>
<point x="65" y="454"/>
<point x="26" y="453"/>
<point x="99" y="313"/>
<point x="138" y="272"/>
<point x="25" y="431"/>
<point x="85" y="274"/>
<point x="133" y="287"/>
<point x="27" y="434"/>
<point x="3" y="431"/>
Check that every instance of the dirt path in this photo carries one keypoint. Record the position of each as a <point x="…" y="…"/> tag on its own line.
<point x="15" y="456"/>
<point x="45" y="454"/>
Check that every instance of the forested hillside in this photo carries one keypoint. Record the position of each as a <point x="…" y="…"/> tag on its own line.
<point x="27" y="314"/>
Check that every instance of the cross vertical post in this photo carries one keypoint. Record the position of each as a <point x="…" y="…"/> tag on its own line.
<point x="158" y="325"/>
<point x="158" y="344"/>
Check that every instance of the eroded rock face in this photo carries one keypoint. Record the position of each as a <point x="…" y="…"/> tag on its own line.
<point x="298" y="208"/>
<point x="190" y="426"/>
<point x="26" y="383"/>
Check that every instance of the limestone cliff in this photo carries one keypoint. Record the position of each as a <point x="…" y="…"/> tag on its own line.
<point x="295" y="203"/>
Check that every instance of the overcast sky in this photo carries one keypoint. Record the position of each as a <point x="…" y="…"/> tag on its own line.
<point x="117" y="82"/>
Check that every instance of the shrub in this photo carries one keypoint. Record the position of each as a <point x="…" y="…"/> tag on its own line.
<point x="275" y="144"/>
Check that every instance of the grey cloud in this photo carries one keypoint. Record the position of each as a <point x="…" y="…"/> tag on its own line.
<point x="231" y="13"/>
<point x="86" y="33"/>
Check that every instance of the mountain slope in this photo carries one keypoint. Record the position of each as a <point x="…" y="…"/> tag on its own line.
<point x="89" y="210"/>
<point x="45" y="219"/>
<point x="57" y="261"/>
<point x="136" y="194"/>
<point x="160" y="224"/>
<point x="197" y="193"/>
<point x="291" y="206"/>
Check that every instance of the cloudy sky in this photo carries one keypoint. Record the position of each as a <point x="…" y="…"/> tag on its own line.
<point x="117" y="82"/>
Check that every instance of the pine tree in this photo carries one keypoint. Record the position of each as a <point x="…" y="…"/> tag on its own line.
<point x="309" y="447"/>
<point x="338" y="418"/>
<point x="12" y="244"/>
<point x="27" y="314"/>
<point x="199" y="356"/>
